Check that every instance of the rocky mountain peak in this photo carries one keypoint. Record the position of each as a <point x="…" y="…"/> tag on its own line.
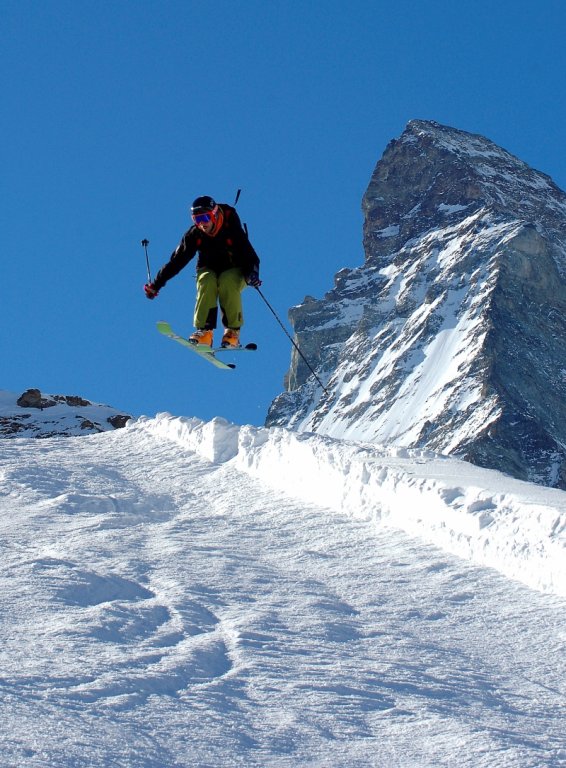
<point x="34" y="414"/>
<point x="452" y="334"/>
<point x="434" y="171"/>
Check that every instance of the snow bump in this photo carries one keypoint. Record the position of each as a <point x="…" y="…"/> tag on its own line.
<point x="480" y="515"/>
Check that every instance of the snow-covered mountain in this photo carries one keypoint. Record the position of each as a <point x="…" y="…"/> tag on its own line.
<point x="452" y="335"/>
<point x="184" y="593"/>
<point x="33" y="414"/>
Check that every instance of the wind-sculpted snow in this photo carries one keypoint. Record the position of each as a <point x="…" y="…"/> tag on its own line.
<point x="481" y="515"/>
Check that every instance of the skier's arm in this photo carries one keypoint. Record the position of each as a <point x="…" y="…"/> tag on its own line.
<point x="180" y="257"/>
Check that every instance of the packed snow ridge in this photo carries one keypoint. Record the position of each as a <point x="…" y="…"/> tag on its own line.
<point x="481" y="515"/>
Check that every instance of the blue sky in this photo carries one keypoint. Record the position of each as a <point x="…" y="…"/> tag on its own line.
<point x="115" y="115"/>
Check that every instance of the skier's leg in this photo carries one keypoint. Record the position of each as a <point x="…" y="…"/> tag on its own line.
<point x="206" y="300"/>
<point x="231" y="283"/>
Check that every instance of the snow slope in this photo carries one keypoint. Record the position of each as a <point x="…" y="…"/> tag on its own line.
<point x="180" y="593"/>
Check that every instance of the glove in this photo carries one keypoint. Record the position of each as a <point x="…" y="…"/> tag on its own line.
<point x="253" y="279"/>
<point x="150" y="291"/>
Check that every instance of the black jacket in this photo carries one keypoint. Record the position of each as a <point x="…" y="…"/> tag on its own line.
<point x="229" y="248"/>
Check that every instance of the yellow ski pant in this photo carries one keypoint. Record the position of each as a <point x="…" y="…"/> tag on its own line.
<point x="224" y="289"/>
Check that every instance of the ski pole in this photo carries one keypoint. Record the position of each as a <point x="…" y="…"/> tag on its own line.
<point x="274" y="313"/>
<point x="145" y="243"/>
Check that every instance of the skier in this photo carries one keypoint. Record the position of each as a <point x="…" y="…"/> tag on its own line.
<point x="226" y="263"/>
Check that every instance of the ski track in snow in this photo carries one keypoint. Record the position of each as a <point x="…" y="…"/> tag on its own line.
<point x="162" y="609"/>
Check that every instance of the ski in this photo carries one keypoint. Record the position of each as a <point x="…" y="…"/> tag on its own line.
<point x="251" y="347"/>
<point x="201" y="350"/>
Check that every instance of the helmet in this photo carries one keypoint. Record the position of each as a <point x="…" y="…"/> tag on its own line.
<point x="203" y="204"/>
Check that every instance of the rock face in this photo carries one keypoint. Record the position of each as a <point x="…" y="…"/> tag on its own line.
<point x="33" y="414"/>
<point x="32" y="398"/>
<point x="452" y="335"/>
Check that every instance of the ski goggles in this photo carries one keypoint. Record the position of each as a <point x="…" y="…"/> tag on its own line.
<point x="203" y="218"/>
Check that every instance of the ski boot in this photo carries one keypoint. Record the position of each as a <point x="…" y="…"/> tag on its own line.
<point x="231" y="337"/>
<point x="202" y="337"/>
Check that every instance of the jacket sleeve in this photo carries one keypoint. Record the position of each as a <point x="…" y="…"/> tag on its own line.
<point x="180" y="257"/>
